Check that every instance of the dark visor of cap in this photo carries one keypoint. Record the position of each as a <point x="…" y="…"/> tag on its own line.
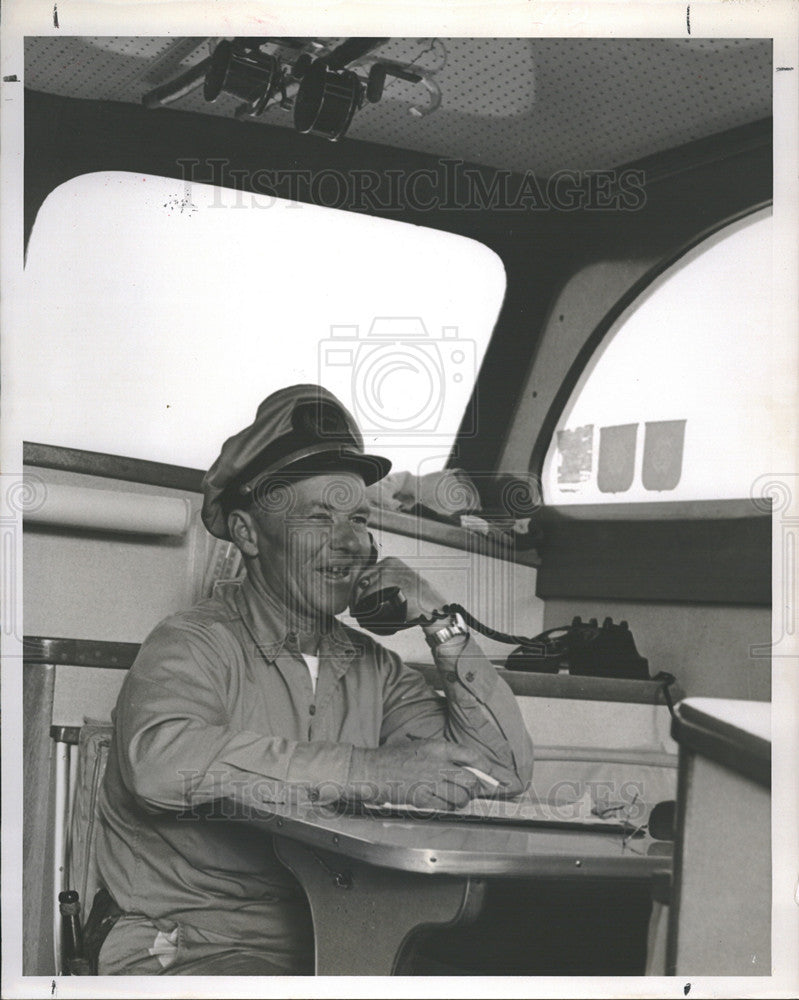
<point x="284" y="447"/>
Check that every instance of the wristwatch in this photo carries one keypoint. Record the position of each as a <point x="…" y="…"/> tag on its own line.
<point x="446" y="632"/>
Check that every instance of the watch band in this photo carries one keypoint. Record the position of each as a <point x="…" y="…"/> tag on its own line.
<point x="444" y="634"/>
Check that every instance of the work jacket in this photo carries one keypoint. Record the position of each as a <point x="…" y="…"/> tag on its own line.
<point x="218" y="718"/>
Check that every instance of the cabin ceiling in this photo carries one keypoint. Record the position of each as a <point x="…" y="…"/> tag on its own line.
<point x="537" y="104"/>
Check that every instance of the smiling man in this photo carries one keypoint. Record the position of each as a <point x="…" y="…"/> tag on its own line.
<point x="261" y="695"/>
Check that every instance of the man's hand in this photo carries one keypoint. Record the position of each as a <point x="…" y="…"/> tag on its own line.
<point x="429" y="774"/>
<point x="422" y="598"/>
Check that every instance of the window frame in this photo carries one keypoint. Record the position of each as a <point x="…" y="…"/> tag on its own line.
<point x="600" y="337"/>
<point x="663" y="551"/>
<point x="684" y="258"/>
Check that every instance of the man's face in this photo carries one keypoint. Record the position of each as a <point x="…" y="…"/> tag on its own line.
<point x="313" y="541"/>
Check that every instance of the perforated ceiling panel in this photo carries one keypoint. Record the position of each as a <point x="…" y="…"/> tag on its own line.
<point x="524" y="104"/>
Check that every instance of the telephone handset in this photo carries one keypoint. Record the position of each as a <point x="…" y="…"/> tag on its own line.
<point x="384" y="611"/>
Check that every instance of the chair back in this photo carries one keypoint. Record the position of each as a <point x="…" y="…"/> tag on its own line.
<point x="93" y="746"/>
<point x="83" y="698"/>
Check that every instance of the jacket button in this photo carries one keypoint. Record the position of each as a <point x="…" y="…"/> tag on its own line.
<point x="312" y="709"/>
<point x="470" y="676"/>
<point x="313" y="795"/>
<point x="451" y="675"/>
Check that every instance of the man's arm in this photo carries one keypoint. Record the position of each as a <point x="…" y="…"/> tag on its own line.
<point x="480" y="710"/>
<point x="177" y="748"/>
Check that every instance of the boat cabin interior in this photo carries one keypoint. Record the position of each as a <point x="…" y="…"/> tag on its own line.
<point x="538" y="271"/>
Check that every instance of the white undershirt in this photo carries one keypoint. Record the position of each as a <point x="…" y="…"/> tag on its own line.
<point x="313" y="667"/>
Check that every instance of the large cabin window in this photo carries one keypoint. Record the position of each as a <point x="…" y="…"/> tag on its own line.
<point x="160" y="314"/>
<point x="684" y="398"/>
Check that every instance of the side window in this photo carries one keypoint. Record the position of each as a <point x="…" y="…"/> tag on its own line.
<point x="681" y="401"/>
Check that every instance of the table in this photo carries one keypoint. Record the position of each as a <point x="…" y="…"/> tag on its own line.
<point x="373" y="881"/>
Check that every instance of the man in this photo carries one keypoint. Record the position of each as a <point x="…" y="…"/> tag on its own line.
<point x="259" y="694"/>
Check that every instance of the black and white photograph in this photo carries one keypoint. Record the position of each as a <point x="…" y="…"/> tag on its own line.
<point x="399" y="500"/>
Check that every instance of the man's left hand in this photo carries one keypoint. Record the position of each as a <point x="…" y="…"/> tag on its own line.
<point x="423" y="599"/>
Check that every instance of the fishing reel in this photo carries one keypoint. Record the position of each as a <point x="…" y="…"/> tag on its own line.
<point x="320" y="85"/>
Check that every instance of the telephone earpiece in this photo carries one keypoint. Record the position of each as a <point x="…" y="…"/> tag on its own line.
<point x="383" y="612"/>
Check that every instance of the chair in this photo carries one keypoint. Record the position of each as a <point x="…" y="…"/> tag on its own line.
<point x="80" y="757"/>
<point x="80" y="765"/>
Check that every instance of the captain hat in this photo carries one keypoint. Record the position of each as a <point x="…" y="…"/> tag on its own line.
<point x="291" y="426"/>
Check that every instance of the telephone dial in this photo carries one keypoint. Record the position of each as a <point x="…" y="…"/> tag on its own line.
<point x="582" y="648"/>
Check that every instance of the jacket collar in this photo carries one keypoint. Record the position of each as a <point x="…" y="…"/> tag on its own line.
<point x="267" y="622"/>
